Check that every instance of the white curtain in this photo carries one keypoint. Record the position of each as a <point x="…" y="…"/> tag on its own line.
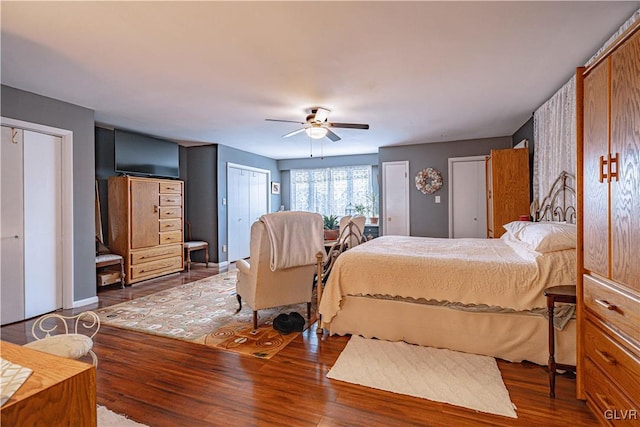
<point x="330" y="190"/>
<point x="554" y="133"/>
<point x="554" y="130"/>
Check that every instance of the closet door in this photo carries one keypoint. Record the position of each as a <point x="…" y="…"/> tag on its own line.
<point x="11" y="226"/>
<point x="238" y="216"/>
<point x="31" y="224"/>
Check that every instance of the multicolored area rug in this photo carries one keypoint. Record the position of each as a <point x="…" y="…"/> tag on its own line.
<point x="203" y="312"/>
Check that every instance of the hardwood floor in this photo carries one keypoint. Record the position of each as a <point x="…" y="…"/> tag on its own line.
<point x="165" y="382"/>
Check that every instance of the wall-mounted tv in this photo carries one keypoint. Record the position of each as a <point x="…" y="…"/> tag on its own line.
<point x="137" y="154"/>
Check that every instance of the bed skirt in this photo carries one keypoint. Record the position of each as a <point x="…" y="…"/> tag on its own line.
<point x="514" y="337"/>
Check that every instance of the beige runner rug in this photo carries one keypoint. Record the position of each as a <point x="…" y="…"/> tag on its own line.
<point x="204" y="312"/>
<point x="441" y="375"/>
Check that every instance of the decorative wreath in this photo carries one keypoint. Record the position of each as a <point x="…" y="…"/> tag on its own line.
<point x="428" y="180"/>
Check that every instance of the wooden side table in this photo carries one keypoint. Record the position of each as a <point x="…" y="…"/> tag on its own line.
<point x="555" y="294"/>
<point x="59" y="392"/>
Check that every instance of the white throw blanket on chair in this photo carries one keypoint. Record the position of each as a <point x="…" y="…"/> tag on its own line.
<point x="295" y="238"/>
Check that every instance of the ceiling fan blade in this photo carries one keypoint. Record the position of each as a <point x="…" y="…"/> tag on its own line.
<point x="332" y="136"/>
<point x="321" y="115"/>
<point x="348" y="125"/>
<point x="293" y="133"/>
<point x="285" y="121"/>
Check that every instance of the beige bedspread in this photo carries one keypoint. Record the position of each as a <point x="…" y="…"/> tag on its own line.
<point x="495" y="272"/>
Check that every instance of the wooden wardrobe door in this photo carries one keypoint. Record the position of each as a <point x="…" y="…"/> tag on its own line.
<point x="144" y="214"/>
<point x="596" y="120"/>
<point x="625" y="144"/>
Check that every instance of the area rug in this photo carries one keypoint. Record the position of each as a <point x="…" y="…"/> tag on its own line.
<point x="441" y="375"/>
<point x="204" y="312"/>
<point x="108" y="418"/>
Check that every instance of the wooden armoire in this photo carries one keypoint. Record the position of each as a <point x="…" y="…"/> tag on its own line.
<point x="507" y="188"/>
<point x="145" y="225"/>
<point x="609" y="232"/>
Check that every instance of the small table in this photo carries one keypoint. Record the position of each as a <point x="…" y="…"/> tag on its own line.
<point x="59" y="391"/>
<point x="557" y="294"/>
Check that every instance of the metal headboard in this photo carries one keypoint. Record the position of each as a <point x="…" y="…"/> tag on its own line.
<point x="559" y="203"/>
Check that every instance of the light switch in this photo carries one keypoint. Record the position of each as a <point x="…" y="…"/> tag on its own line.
<point x="224" y="201"/>
<point x="437" y="199"/>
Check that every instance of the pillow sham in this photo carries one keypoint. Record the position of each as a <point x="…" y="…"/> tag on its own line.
<point x="544" y="236"/>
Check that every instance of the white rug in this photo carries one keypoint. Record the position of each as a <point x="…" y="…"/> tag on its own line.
<point x="460" y="379"/>
<point x="108" y="418"/>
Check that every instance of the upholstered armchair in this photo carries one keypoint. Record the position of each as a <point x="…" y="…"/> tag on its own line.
<point x="285" y="250"/>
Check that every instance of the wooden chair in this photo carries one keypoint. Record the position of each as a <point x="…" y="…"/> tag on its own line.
<point x="194" y="245"/>
<point x="60" y="335"/>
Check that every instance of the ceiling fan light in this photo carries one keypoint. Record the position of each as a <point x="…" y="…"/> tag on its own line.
<point x="316" y="132"/>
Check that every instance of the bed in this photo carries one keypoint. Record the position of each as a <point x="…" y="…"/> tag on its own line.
<point x="482" y="296"/>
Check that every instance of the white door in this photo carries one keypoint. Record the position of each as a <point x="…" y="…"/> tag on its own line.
<point x="395" y="200"/>
<point x="467" y="197"/>
<point x="31" y="224"/>
<point x="248" y="199"/>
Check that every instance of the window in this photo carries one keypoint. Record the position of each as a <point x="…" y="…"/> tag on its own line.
<point x="328" y="191"/>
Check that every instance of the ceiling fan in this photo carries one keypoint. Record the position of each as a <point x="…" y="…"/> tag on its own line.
<point x="317" y="126"/>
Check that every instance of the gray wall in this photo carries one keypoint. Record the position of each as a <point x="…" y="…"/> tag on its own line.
<point x="202" y="195"/>
<point x="30" y="107"/>
<point x="430" y="219"/>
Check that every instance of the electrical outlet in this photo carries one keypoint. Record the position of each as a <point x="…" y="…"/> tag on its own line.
<point x="437" y="199"/>
<point x="224" y="248"/>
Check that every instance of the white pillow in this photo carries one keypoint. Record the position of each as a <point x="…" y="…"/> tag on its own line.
<point x="544" y="236"/>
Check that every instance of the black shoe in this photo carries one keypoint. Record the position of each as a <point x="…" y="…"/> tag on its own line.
<point x="297" y="322"/>
<point x="282" y="324"/>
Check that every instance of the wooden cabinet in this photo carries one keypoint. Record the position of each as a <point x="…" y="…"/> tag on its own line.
<point x="507" y="188"/>
<point x="609" y="274"/>
<point x="145" y="225"/>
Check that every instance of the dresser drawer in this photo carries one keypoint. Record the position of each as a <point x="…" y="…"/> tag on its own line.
<point x="608" y="404"/>
<point x="613" y="359"/>
<point x="155" y="268"/>
<point x="170" y="237"/>
<point x="620" y="310"/>
<point x="170" y="224"/>
<point x="170" y="200"/>
<point x="170" y="212"/>
<point x="170" y="187"/>
<point x="156" y="253"/>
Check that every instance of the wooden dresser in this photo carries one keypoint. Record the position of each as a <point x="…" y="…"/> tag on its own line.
<point x="507" y="188"/>
<point x="609" y="232"/>
<point x="145" y="225"/>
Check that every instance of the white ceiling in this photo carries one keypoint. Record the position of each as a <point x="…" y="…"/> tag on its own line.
<point x="211" y="72"/>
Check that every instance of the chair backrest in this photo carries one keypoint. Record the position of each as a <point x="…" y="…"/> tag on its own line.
<point x="86" y="322"/>
<point x="352" y="234"/>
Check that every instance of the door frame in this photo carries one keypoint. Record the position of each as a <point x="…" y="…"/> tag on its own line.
<point x="66" y="195"/>
<point x="407" y="218"/>
<point x="453" y="160"/>
<point x="268" y="190"/>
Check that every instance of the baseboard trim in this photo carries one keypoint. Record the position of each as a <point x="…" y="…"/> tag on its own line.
<point x="222" y="266"/>
<point x="86" y="301"/>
